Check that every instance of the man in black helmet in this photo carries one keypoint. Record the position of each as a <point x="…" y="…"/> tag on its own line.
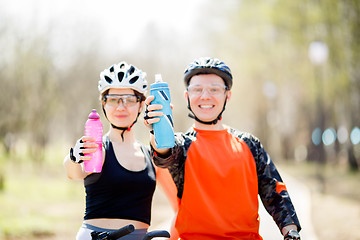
<point x="219" y="171"/>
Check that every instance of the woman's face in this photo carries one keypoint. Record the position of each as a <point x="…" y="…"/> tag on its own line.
<point x="122" y="106"/>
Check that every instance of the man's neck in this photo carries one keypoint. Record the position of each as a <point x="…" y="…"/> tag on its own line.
<point x="210" y="127"/>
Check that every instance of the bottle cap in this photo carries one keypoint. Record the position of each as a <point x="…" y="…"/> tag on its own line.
<point x="158" y="78"/>
<point x="94" y="114"/>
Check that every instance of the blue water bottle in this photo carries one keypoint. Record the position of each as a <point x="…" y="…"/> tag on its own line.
<point x="164" y="129"/>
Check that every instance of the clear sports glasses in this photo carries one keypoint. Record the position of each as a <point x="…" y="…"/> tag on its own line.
<point x="128" y="100"/>
<point x="197" y="90"/>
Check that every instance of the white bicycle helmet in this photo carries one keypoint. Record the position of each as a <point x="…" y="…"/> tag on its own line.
<point x="123" y="75"/>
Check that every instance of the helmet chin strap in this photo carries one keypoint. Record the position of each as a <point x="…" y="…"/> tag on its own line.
<point x="213" y="122"/>
<point x="124" y="129"/>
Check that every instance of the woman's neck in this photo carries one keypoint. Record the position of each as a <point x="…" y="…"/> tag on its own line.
<point x="115" y="135"/>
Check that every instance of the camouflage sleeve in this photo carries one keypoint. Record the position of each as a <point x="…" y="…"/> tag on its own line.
<point x="172" y="158"/>
<point x="272" y="190"/>
<point x="175" y="162"/>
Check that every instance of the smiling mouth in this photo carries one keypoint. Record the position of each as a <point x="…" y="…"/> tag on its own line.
<point x="206" y="106"/>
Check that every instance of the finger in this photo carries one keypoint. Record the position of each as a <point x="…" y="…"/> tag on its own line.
<point x="152" y="120"/>
<point x="88" y="139"/>
<point x="154" y="114"/>
<point x="85" y="158"/>
<point x="149" y="99"/>
<point x="90" y="145"/>
<point x="89" y="150"/>
<point x="154" y="107"/>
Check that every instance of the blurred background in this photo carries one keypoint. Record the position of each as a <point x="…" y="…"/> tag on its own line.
<point x="296" y="69"/>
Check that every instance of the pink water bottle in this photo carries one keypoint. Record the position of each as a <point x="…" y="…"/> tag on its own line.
<point x="94" y="128"/>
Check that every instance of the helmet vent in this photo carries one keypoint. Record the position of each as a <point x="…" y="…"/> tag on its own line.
<point x="111" y="69"/>
<point x="131" y="70"/>
<point x="109" y="80"/>
<point x="133" y="80"/>
<point x="120" y="76"/>
<point x="122" y="66"/>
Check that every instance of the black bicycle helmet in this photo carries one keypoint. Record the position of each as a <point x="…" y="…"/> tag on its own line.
<point x="207" y="65"/>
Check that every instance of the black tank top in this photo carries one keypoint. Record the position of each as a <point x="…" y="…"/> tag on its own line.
<point x="119" y="193"/>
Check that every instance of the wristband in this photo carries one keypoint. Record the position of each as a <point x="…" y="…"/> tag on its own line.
<point x="292" y="234"/>
<point x="73" y="158"/>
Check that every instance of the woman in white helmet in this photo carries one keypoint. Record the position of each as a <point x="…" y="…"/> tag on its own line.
<point x="122" y="193"/>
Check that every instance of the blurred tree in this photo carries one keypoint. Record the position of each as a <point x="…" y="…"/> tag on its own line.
<point x="268" y="42"/>
<point x="78" y="94"/>
<point x="28" y="91"/>
<point x="351" y="16"/>
<point x="265" y="43"/>
<point x="339" y="21"/>
<point x="263" y="53"/>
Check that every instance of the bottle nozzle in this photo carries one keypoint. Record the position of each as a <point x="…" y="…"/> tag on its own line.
<point x="94" y="114"/>
<point x="158" y="78"/>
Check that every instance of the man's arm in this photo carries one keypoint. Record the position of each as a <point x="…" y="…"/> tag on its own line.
<point x="162" y="152"/>
<point x="272" y="190"/>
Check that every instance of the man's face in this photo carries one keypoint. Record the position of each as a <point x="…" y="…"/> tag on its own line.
<point x="207" y="94"/>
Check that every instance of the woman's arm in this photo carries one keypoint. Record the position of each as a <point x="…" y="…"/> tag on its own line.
<point x="74" y="170"/>
<point x="73" y="166"/>
<point x="166" y="182"/>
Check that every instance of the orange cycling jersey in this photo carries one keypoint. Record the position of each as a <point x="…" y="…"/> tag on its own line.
<point x="219" y="175"/>
<point x="220" y="192"/>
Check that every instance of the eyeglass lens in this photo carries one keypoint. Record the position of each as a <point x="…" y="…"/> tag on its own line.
<point x="212" y="90"/>
<point x="127" y="100"/>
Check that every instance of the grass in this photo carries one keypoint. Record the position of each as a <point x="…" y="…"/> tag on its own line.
<point x="38" y="203"/>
